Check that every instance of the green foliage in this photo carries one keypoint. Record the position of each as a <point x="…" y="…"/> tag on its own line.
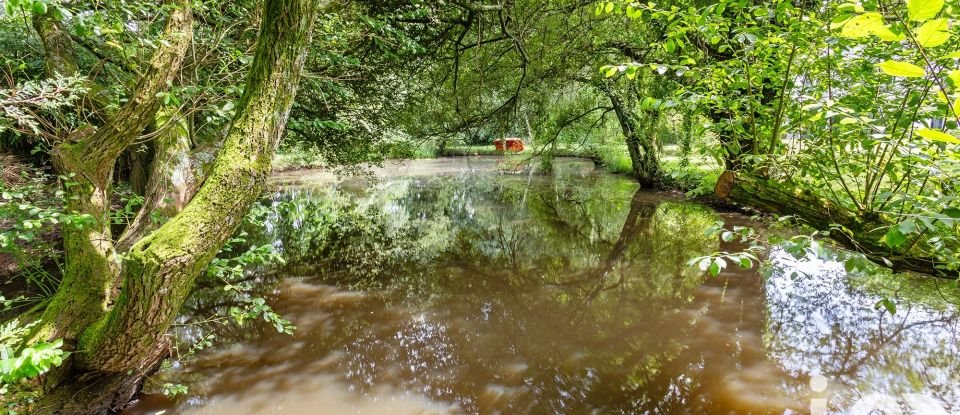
<point x="31" y="215"/>
<point x="172" y="390"/>
<point x="231" y="271"/>
<point x="718" y="261"/>
<point x="131" y="203"/>
<point x="861" y="128"/>
<point x="24" y="106"/>
<point x="20" y="363"/>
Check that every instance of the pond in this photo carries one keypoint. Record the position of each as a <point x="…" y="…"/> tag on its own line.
<point x="452" y="287"/>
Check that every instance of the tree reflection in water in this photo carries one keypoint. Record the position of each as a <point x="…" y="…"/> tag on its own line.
<point x="560" y="294"/>
<point x="824" y="322"/>
<point x="562" y="273"/>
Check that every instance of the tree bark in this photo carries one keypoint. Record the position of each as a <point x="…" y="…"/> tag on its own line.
<point x="640" y="143"/>
<point x="158" y="272"/>
<point x="172" y="179"/>
<point x="61" y="57"/>
<point x="91" y="265"/>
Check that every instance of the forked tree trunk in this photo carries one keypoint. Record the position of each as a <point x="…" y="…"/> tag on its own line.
<point x="88" y="157"/>
<point x="115" y="352"/>
<point x="173" y="179"/>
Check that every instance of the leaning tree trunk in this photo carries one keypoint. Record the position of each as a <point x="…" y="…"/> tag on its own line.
<point x="640" y="143"/>
<point x="158" y="272"/>
<point x="860" y="232"/>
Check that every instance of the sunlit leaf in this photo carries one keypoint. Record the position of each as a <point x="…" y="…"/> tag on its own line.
<point x="902" y="69"/>
<point x="933" y="33"/>
<point x="954" y="78"/>
<point x="714" y="269"/>
<point x="868" y="24"/>
<point x="847" y="7"/>
<point x="937" y="135"/>
<point x="923" y="10"/>
<point x="39" y="7"/>
<point x="861" y="25"/>
<point x="884" y="33"/>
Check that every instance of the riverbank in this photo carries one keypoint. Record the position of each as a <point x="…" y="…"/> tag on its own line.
<point x="696" y="175"/>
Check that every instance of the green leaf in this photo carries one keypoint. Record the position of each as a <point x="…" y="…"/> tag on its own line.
<point x="851" y="264"/>
<point x="954" y="78"/>
<point x="933" y="33"/>
<point x="669" y="46"/>
<point x="861" y="25"/>
<point x="952" y="212"/>
<point x="907" y="227"/>
<point x="884" y="33"/>
<point x="923" y="10"/>
<point x="894" y="238"/>
<point x="887" y="304"/>
<point x="937" y="135"/>
<point x="850" y="8"/>
<point x="39" y="7"/>
<point x="714" y="268"/>
<point x="867" y="24"/>
<point x="902" y="69"/>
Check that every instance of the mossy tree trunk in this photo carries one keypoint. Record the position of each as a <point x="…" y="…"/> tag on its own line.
<point x="640" y="141"/>
<point x="119" y="340"/>
<point x="87" y="157"/>
<point x="173" y="178"/>
<point x="860" y="232"/>
<point x="735" y="145"/>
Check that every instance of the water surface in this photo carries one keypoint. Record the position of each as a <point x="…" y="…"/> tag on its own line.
<point x="449" y="287"/>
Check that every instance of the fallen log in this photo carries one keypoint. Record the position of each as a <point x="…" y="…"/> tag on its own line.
<point x="853" y="230"/>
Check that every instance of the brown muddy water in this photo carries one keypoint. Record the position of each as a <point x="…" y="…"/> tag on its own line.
<point x="448" y="287"/>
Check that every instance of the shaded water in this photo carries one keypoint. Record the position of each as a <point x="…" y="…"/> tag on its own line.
<point x="445" y="287"/>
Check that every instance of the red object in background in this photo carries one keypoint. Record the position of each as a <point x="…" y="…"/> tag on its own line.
<point x="512" y="144"/>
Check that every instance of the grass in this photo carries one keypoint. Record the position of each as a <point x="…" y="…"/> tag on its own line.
<point x="698" y="176"/>
<point x="309" y="157"/>
<point x="296" y="159"/>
